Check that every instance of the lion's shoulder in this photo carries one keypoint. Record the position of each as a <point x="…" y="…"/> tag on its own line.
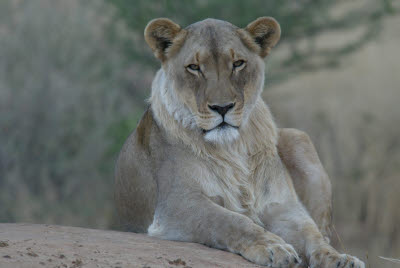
<point x="142" y="142"/>
<point x="144" y="129"/>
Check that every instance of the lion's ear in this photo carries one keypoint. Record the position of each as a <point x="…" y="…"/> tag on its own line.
<point x="160" y="35"/>
<point x="265" y="33"/>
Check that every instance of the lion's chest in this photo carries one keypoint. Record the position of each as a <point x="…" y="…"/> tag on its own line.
<point x="237" y="183"/>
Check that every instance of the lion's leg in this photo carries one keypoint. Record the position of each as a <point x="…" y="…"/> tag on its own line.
<point x="284" y="215"/>
<point x="184" y="213"/>
<point x="288" y="219"/>
<point x="310" y="180"/>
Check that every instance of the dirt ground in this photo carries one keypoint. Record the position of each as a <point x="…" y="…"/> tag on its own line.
<point x="34" y="245"/>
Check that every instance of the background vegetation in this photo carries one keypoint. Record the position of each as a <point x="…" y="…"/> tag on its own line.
<point x="74" y="76"/>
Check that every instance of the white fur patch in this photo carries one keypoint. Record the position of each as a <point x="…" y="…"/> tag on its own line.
<point x="155" y="229"/>
<point x="161" y="230"/>
<point x="171" y="101"/>
<point x="222" y="135"/>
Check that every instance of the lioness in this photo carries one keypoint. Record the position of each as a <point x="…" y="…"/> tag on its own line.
<point x="207" y="164"/>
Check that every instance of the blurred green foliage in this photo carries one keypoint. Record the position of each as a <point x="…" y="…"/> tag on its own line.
<point x="298" y="18"/>
<point x="301" y="20"/>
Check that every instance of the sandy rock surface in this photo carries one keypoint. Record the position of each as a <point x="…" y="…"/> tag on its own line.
<point x="34" y="245"/>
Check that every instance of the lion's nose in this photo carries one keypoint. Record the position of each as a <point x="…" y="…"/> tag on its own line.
<point x="222" y="110"/>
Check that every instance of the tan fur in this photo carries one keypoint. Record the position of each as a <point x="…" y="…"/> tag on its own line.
<point x="309" y="177"/>
<point x="187" y="177"/>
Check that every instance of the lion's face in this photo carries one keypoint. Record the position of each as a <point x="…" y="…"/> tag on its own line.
<point x="215" y="71"/>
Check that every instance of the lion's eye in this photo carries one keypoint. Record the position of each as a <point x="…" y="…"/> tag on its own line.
<point x="194" y="67"/>
<point x="238" y="63"/>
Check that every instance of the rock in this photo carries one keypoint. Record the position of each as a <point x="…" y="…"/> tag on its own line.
<point x="35" y="245"/>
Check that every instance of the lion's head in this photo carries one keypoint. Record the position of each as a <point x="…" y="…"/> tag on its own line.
<point x="214" y="71"/>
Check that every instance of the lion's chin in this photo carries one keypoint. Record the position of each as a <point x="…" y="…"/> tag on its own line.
<point x="222" y="135"/>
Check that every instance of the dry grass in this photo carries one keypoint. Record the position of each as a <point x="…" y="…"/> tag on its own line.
<point x="397" y="261"/>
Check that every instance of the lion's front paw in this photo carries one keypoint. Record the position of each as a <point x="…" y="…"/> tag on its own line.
<point x="331" y="258"/>
<point x="272" y="255"/>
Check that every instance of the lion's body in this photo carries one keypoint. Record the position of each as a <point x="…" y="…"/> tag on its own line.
<point x="183" y="175"/>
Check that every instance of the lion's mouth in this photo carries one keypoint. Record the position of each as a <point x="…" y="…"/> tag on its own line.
<point x="222" y="125"/>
